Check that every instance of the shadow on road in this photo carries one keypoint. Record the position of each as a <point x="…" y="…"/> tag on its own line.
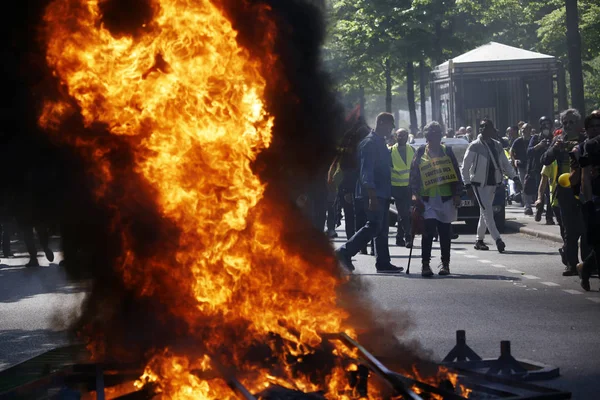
<point x="19" y="282"/>
<point x="20" y="345"/>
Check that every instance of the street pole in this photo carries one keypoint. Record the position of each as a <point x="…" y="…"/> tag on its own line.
<point x="574" y="52"/>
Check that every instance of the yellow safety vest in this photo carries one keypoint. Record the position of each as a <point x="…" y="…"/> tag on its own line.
<point x="437" y="174"/>
<point x="552" y="180"/>
<point x="401" y="169"/>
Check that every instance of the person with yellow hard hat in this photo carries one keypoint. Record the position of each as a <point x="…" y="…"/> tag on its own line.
<point x="402" y="156"/>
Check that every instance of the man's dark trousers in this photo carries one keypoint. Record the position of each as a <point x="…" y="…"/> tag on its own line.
<point x="377" y="227"/>
<point x="402" y="198"/>
<point x="572" y="218"/>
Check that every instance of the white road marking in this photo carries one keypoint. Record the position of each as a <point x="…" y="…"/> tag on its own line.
<point x="594" y="299"/>
<point x="498" y="266"/>
<point x="549" y="283"/>
<point x="515" y="271"/>
<point x="571" y="291"/>
<point x="485" y="261"/>
<point x="530" y="277"/>
<point x="459" y="252"/>
<point x="470" y="256"/>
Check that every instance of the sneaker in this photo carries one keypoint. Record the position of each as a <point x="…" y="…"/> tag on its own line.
<point x="500" y="246"/>
<point x="33" y="263"/>
<point x="479" y="245"/>
<point x="563" y="256"/>
<point x="550" y="222"/>
<point x="426" y="271"/>
<point x="400" y="242"/>
<point x="409" y="244"/>
<point x="332" y="234"/>
<point x="49" y="254"/>
<point x="570" y="271"/>
<point x="444" y="269"/>
<point x="528" y="211"/>
<point x="584" y="275"/>
<point x="344" y="259"/>
<point x="389" y="269"/>
<point x="454" y="236"/>
<point x="8" y="254"/>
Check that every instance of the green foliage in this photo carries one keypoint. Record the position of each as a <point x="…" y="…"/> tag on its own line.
<point x="364" y="33"/>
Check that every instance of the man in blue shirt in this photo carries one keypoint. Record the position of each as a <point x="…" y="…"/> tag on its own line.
<point x="374" y="188"/>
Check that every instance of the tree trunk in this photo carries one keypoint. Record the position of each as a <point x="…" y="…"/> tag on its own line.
<point x="574" y="52"/>
<point x="410" y="96"/>
<point x="439" y="56"/>
<point x="388" y="86"/>
<point x="361" y="99"/>
<point x="422" y="83"/>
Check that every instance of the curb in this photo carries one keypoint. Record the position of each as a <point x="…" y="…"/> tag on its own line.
<point x="514" y="226"/>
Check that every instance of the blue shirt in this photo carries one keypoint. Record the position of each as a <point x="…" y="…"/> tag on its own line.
<point x="375" y="163"/>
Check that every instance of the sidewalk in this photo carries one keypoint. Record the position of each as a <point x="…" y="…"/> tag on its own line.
<point x="516" y="221"/>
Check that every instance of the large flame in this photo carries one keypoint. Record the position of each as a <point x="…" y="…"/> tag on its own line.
<point x="191" y="100"/>
<point x="189" y="103"/>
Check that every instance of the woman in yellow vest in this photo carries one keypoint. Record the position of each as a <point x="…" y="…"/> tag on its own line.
<point x="402" y="156"/>
<point x="436" y="186"/>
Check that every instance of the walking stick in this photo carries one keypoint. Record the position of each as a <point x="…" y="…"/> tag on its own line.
<point x="412" y="238"/>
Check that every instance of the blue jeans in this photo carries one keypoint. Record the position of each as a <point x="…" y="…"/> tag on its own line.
<point x="377" y="227"/>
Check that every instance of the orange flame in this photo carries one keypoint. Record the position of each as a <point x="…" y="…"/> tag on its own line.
<point x="189" y="102"/>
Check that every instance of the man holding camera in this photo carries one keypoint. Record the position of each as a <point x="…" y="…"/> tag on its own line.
<point x="570" y="206"/>
<point x="537" y="146"/>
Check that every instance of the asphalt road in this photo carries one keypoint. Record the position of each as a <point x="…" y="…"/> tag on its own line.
<point x="518" y="296"/>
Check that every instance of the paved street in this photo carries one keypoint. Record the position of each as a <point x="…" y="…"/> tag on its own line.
<point x="518" y="296"/>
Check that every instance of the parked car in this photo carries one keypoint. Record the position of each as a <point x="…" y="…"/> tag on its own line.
<point x="469" y="209"/>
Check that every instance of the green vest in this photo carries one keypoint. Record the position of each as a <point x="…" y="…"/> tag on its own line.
<point x="437" y="175"/>
<point x="401" y="169"/>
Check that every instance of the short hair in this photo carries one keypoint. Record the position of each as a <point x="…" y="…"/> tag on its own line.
<point x="572" y="112"/>
<point x="384" y="117"/>
<point x="520" y="124"/>
<point x="401" y="130"/>
<point x="487" y="121"/>
<point x="432" y="128"/>
<point x="590" y="118"/>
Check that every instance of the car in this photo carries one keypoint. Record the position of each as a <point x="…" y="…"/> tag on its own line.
<point x="469" y="209"/>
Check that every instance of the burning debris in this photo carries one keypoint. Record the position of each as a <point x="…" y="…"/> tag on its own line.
<point x="190" y="118"/>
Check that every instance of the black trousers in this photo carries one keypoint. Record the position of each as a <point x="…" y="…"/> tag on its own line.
<point x="349" y="213"/>
<point x="403" y="197"/>
<point x="431" y="226"/>
<point x="574" y="226"/>
<point x="7" y="230"/>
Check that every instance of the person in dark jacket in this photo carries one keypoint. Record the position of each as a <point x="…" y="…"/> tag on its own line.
<point x="436" y="186"/>
<point x="537" y="146"/>
<point x="374" y="187"/>
<point x="570" y="207"/>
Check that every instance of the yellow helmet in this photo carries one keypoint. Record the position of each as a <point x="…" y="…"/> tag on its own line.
<point x="564" y="181"/>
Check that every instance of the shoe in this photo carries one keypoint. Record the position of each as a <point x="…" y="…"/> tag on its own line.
<point x="435" y="238"/>
<point x="538" y="213"/>
<point x="528" y="211"/>
<point x="364" y="251"/>
<point x="550" y="222"/>
<point x="455" y="236"/>
<point x="444" y="269"/>
<point x="372" y="252"/>
<point x="426" y="271"/>
<point x="389" y="269"/>
<point x="400" y="242"/>
<point x="479" y="245"/>
<point x="33" y="262"/>
<point x="500" y="246"/>
<point x="8" y="255"/>
<point x="584" y="275"/>
<point x="49" y="254"/>
<point x="408" y="245"/>
<point x="563" y="256"/>
<point x="332" y="234"/>
<point x="570" y="271"/>
<point x="344" y="259"/>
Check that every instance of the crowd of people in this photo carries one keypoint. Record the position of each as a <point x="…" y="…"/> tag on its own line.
<point x="553" y="169"/>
